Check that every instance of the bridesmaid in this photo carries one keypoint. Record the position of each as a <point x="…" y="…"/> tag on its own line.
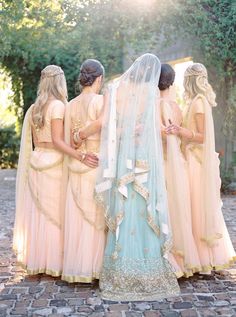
<point x="84" y="220"/>
<point x="184" y="251"/>
<point x="39" y="208"/>
<point x="213" y="242"/>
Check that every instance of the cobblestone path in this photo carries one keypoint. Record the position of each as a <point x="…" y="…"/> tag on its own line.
<point x="41" y="295"/>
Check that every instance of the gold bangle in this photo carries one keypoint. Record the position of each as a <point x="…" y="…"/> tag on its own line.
<point x="83" y="155"/>
<point x="76" y="137"/>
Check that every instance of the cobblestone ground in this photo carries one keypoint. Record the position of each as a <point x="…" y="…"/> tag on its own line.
<point x="41" y="295"/>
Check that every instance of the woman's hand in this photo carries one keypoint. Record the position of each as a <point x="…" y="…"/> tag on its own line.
<point x="90" y="160"/>
<point x="173" y="129"/>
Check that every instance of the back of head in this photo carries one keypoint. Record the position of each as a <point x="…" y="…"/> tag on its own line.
<point x="145" y="69"/>
<point x="167" y="77"/>
<point x="90" y="70"/>
<point x="196" y="82"/>
<point x="52" y="84"/>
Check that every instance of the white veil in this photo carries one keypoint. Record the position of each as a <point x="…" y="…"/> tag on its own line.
<point x="131" y="149"/>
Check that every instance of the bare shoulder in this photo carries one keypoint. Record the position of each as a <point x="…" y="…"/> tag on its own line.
<point x="74" y="100"/>
<point x="100" y="98"/>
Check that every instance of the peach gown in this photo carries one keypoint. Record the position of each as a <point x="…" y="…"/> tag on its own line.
<point x="37" y="232"/>
<point x="84" y="219"/>
<point x="214" y="246"/>
<point x="184" y="255"/>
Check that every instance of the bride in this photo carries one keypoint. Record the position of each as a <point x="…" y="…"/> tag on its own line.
<point x="131" y="189"/>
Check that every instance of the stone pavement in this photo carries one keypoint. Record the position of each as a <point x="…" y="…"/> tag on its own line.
<point x="42" y="295"/>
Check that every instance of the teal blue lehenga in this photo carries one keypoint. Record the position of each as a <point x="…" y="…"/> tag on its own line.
<point x="131" y="188"/>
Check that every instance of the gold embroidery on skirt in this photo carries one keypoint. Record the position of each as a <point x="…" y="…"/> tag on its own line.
<point x="80" y="279"/>
<point x="128" y="279"/>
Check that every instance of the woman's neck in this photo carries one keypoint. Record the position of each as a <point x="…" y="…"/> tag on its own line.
<point x="165" y="94"/>
<point x="89" y="90"/>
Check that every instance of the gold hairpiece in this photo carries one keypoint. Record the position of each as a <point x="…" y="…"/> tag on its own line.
<point x="52" y="74"/>
<point x="200" y="71"/>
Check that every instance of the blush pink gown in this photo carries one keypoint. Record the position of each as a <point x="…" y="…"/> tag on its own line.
<point x="184" y="254"/>
<point x="39" y="212"/>
<point x="84" y="219"/>
<point x="214" y="246"/>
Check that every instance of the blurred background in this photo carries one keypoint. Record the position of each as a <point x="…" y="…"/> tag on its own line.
<point x="35" y="33"/>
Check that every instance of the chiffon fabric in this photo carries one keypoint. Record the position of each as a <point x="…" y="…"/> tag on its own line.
<point x="131" y="188"/>
<point x="184" y="254"/>
<point x="38" y="239"/>
<point x="214" y="246"/>
<point x="84" y="219"/>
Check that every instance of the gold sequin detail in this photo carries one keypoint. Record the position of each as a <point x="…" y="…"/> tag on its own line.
<point x="142" y="190"/>
<point x="128" y="279"/>
<point x="126" y="179"/>
<point x="153" y="225"/>
<point x="142" y="164"/>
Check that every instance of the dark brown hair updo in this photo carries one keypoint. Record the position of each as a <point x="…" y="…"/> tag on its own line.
<point x="89" y="71"/>
<point x="167" y="77"/>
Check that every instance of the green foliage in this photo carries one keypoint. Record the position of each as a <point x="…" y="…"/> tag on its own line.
<point x="227" y="177"/>
<point x="9" y="147"/>
<point x="211" y="26"/>
<point x="229" y="124"/>
<point x="66" y="32"/>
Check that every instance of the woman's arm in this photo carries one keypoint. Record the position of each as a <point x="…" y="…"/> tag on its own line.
<point x="57" y="129"/>
<point x="188" y="135"/>
<point x="91" y="129"/>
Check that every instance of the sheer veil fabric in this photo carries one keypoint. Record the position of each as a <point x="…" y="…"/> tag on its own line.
<point x="26" y="148"/>
<point x="131" y="188"/>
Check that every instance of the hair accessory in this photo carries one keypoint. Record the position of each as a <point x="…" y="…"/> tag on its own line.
<point x="196" y="69"/>
<point x="46" y="73"/>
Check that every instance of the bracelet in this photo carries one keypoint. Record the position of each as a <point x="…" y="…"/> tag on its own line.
<point x="83" y="156"/>
<point x="76" y="137"/>
<point x="193" y="135"/>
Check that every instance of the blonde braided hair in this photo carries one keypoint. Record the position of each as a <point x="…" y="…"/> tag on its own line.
<point x="196" y="82"/>
<point x="52" y="83"/>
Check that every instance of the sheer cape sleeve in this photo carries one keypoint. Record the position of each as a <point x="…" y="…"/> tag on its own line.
<point x="26" y="148"/>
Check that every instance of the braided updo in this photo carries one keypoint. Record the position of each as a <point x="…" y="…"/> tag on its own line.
<point x="196" y="82"/>
<point x="167" y="77"/>
<point x="89" y="71"/>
